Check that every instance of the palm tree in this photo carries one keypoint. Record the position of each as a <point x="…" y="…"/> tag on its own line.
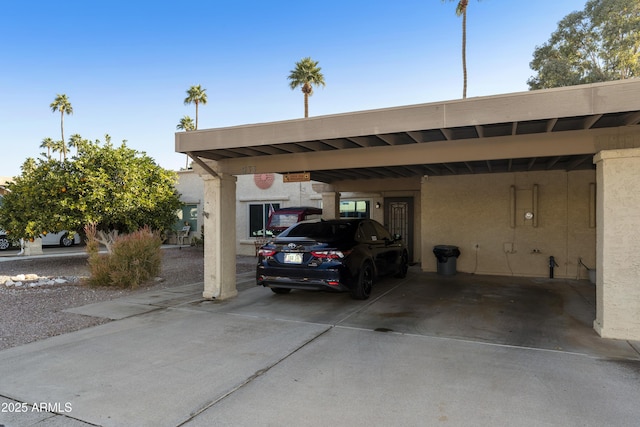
<point x="196" y="95"/>
<point x="306" y="74"/>
<point x="48" y="143"/>
<point x="75" y="141"/>
<point x="62" y="104"/>
<point x="59" y="147"/>
<point x="186" y="124"/>
<point x="461" y="9"/>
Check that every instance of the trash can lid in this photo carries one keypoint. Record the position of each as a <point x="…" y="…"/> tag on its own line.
<point x="446" y="251"/>
<point x="445" y="247"/>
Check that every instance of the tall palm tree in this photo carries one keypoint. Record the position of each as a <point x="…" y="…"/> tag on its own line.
<point x="306" y="74"/>
<point x="186" y="124"/>
<point x="48" y="143"/>
<point x="196" y="95"/>
<point x="62" y="104"/>
<point x="461" y="10"/>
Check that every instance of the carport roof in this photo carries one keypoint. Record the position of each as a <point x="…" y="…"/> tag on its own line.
<point x="388" y="137"/>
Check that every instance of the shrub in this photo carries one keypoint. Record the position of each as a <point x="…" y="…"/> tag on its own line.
<point x="134" y="259"/>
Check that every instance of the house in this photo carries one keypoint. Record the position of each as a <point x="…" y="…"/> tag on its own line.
<point x="512" y="180"/>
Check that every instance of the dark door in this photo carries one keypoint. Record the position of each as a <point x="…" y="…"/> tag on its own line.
<point x="398" y="219"/>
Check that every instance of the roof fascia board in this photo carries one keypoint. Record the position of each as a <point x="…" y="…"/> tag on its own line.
<point x="571" y="101"/>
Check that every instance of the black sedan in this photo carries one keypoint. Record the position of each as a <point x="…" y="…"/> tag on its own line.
<point x="338" y="255"/>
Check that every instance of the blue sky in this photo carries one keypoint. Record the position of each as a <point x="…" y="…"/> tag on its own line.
<point x="126" y="65"/>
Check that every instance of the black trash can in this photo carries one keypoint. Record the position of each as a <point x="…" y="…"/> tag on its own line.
<point x="446" y="256"/>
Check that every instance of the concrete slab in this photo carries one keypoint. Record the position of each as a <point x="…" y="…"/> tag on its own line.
<point x="525" y="312"/>
<point x="426" y="350"/>
<point x="352" y="377"/>
<point x="13" y="413"/>
<point x="114" y="310"/>
<point x="153" y="370"/>
<point x="135" y="305"/>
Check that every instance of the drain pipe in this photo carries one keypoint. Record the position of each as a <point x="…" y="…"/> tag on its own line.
<point x="552" y="264"/>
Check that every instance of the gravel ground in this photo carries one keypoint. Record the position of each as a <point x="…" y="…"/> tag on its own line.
<point x="33" y="313"/>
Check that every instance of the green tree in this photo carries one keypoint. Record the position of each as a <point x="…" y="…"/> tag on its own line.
<point x="49" y="144"/>
<point x="461" y="10"/>
<point x="62" y="104"/>
<point x="600" y="43"/>
<point x="115" y="188"/>
<point x="186" y="124"/>
<point x="306" y="74"/>
<point x="196" y="95"/>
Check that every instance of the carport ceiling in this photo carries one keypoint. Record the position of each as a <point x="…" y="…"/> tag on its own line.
<point x="569" y="109"/>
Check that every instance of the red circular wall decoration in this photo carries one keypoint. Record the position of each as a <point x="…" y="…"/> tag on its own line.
<point x="263" y="180"/>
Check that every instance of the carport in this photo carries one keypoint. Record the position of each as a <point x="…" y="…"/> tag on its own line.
<point x="511" y="179"/>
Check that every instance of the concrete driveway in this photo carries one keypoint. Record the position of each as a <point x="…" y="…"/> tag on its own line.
<point x="426" y="350"/>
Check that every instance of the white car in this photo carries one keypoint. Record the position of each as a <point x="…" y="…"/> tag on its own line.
<point x="50" y="239"/>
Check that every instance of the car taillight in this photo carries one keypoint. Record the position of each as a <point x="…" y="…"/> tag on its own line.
<point x="266" y="252"/>
<point x="329" y="254"/>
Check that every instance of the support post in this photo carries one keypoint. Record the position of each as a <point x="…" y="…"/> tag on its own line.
<point x="330" y="205"/>
<point x="219" y="214"/>
<point x="618" y="244"/>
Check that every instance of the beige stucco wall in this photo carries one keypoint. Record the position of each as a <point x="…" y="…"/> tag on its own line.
<point x="484" y="215"/>
<point x="190" y="186"/>
<point x="618" y="280"/>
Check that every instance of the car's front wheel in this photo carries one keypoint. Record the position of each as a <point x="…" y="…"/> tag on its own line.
<point x="362" y="288"/>
<point x="4" y="243"/>
<point x="66" y="241"/>
<point x="281" y="290"/>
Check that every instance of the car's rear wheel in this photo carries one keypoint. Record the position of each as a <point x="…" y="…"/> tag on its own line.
<point x="281" y="290"/>
<point x="362" y="288"/>
<point x="66" y="241"/>
<point x="4" y="243"/>
<point x="404" y="266"/>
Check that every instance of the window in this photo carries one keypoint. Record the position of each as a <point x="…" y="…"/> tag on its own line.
<point x="258" y="217"/>
<point x="381" y="232"/>
<point x="354" y="209"/>
<point x="367" y="232"/>
<point x="188" y="215"/>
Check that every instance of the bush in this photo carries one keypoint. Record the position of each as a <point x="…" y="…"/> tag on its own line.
<point x="134" y="259"/>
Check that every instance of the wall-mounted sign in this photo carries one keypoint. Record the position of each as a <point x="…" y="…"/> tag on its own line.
<point x="263" y="180"/>
<point x="296" y="177"/>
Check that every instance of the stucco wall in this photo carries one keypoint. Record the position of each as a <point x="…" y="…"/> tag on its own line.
<point x="190" y="186"/>
<point x="484" y="215"/>
<point x="618" y="283"/>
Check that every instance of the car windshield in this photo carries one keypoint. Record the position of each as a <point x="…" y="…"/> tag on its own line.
<point x="321" y="230"/>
